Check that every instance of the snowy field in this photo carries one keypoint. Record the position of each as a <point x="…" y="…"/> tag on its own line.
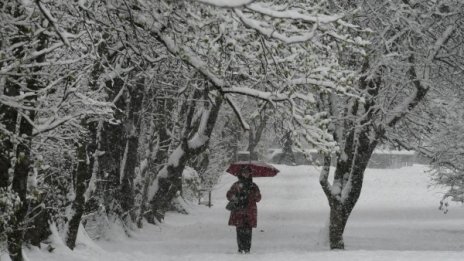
<point x="396" y="218"/>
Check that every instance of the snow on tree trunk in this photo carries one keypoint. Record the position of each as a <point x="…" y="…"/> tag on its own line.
<point x="158" y="146"/>
<point x="345" y="190"/>
<point x="168" y="182"/>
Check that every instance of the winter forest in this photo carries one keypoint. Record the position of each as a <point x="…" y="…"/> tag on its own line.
<point x="122" y="115"/>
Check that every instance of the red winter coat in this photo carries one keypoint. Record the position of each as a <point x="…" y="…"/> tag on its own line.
<point x="246" y="217"/>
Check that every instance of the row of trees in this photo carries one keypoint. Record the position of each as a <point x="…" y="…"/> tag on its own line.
<point x="104" y="103"/>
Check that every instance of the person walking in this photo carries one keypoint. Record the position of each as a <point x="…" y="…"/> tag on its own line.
<point x="245" y="216"/>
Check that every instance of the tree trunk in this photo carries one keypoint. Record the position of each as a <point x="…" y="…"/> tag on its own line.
<point x="287" y="156"/>
<point x="82" y="177"/>
<point x="254" y="136"/>
<point x="350" y="170"/>
<point x="23" y="151"/>
<point x="170" y="179"/>
<point x="338" y="219"/>
<point x="158" y="153"/>
<point x="112" y="144"/>
<point x="133" y="124"/>
<point x="4" y="163"/>
<point x="15" y="238"/>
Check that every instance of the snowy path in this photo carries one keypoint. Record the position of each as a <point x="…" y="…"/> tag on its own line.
<point x="396" y="219"/>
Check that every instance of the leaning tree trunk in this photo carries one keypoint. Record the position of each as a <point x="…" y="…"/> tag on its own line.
<point x="168" y="181"/>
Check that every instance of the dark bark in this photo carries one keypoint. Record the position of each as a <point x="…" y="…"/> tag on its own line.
<point x="156" y="159"/>
<point x="340" y="211"/>
<point x="82" y="175"/>
<point x="230" y="137"/>
<point x="287" y="156"/>
<point x="360" y="142"/>
<point x="169" y="186"/>
<point x="39" y="229"/>
<point x="15" y="238"/>
<point x="112" y="142"/>
<point x="19" y="184"/>
<point x="338" y="219"/>
<point x="9" y="114"/>
<point x="23" y="163"/>
<point x="255" y="134"/>
<point x="133" y="124"/>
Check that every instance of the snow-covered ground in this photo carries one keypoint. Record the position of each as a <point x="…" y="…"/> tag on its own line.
<point x="396" y="218"/>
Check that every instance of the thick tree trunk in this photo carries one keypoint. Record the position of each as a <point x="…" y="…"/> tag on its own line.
<point x="23" y="151"/>
<point x="349" y="170"/>
<point x="168" y="188"/>
<point x="4" y="163"/>
<point x="112" y="145"/>
<point x="338" y="219"/>
<point x="154" y="166"/>
<point x="170" y="183"/>
<point x="158" y="153"/>
<point x="82" y="177"/>
<point x="15" y="238"/>
<point x="133" y="125"/>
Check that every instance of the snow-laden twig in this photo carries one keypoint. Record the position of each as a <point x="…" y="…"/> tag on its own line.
<point x="268" y="31"/>
<point x="36" y="54"/>
<point x="267" y="96"/>
<point x="421" y="85"/>
<point x="54" y="63"/>
<point x="294" y="14"/>
<point x="226" y="3"/>
<point x="237" y="112"/>
<point x="63" y="35"/>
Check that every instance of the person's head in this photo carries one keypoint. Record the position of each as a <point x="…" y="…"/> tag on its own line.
<point x="245" y="172"/>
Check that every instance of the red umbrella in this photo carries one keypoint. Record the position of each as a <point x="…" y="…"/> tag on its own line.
<point x="258" y="169"/>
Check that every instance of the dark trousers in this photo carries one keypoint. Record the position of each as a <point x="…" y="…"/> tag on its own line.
<point x="244" y="238"/>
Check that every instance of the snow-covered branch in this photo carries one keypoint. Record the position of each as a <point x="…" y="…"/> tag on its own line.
<point x="271" y="32"/>
<point x="294" y="14"/>
<point x="226" y="3"/>
<point x="267" y="96"/>
<point x="237" y="112"/>
<point x="421" y="85"/>
<point x="324" y="178"/>
<point x="61" y="33"/>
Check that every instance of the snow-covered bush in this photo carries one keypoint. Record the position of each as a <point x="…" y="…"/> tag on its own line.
<point x="191" y="185"/>
<point x="9" y="204"/>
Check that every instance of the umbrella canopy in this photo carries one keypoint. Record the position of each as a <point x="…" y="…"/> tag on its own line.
<point x="258" y="169"/>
